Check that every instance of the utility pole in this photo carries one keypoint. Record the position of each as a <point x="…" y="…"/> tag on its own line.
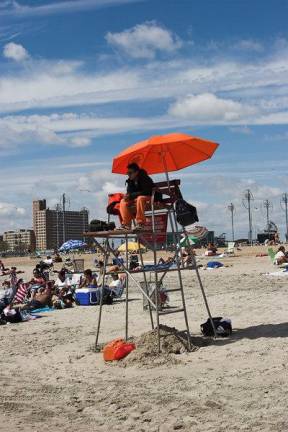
<point x="267" y="206"/>
<point x="64" y="221"/>
<point x="231" y="208"/>
<point x="248" y="197"/>
<point x="58" y="208"/>
<point x="284" y="206"/>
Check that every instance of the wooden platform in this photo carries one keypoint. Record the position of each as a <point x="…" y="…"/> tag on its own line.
<point x="113" y="233"/>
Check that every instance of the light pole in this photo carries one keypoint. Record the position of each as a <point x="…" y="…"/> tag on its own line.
<point x="248" y="198"/>
<point x="231" y="208"/>
<point x="267" y="206"/>
<point x="284" y="206"/>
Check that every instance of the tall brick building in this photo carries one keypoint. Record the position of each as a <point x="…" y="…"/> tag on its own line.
<point x="53" y="227"/>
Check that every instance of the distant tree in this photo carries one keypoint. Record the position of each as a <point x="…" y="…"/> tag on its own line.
<point x="4" y="246"/>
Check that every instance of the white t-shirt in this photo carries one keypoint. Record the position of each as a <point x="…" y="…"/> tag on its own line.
<point x="116" y="287"/>
<point x="278" y="256"/>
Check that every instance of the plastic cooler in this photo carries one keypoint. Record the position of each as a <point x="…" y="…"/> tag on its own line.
<point x="87" y="296"/>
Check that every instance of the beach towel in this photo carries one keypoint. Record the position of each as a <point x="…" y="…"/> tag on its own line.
<point x="152" y="267"/>
<point x="21" y="293"/>
<point x="283" y="273"/>
<point x="214" y="264"/>
<point x="44" y="309"/>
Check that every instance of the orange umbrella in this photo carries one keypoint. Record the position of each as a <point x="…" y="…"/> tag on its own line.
<point x="165" y="153"/>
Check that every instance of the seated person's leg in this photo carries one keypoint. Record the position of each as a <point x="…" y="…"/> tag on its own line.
<point x="126" y="213"/>
<point x="141" y="203"/>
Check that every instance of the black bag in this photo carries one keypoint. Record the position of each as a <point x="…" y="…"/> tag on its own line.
<point x="98" y="225"/>
<point x="186" y="214"/>
<point x="223" y="327"/>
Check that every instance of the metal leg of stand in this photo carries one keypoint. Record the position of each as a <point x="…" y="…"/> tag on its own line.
<point x="102" y="292"/>
<point x="146" y="283"/>
<point x="179" y="262"/>
<point x="156" y="275"/>
<point x="204" y="296"/>
<point x="127" y="293"/>
<point x="127" y="272"/>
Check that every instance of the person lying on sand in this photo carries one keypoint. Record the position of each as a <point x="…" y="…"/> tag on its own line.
<point x="2" y="267"/>
<point x="39" y="298"/>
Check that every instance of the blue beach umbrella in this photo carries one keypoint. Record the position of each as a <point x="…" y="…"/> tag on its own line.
<point x="72" y="245"/>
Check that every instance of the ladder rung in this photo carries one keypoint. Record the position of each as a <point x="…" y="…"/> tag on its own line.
<point x="170" y="311"/>
<point x="173" y="290"/>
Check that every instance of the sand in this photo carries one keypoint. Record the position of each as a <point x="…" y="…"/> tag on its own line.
<point x="52" y="380"/>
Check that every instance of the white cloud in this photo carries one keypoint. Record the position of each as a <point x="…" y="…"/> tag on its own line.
<point x="80" y="141"/>
<point x="260" y="83"/>
<point x="245" y="130"/>
<point x="52" y="84"/>
<point x="208" y="107"/>
<point x="145" y="40"/>
<point x="12" y="8"/>
<point x="249" y="45"/>
<point x="7" y="209"/>
<point x="15" y="52"/>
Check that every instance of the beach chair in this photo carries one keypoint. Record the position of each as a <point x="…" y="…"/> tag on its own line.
<point x="78" y="265"/>
<point x="230" y="249"/>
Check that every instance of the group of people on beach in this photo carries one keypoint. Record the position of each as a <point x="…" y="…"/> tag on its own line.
<point x="43" y="290"/>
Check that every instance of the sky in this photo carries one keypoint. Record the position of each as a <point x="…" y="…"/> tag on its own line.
<point x="80" y="80"/>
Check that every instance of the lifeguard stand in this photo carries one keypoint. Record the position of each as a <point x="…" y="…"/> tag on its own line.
<point x="170" y="192"/>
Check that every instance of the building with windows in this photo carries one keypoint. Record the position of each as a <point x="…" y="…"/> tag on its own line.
<point x="53" y="227"/>
<point x="22" y="240"/>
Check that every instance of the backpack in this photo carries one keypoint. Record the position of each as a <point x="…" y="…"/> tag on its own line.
<point x="223" y="327"/>
<point x="98" y="225"/>
<point x="186" y="214"/>
<point x="113" y="203"/>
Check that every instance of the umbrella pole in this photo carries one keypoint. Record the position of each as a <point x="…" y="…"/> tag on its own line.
<point x="127" y="297"/>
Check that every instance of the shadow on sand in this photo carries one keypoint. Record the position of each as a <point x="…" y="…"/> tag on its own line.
<point x="256" y="332"/>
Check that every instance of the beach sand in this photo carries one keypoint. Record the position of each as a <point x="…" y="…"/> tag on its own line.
<point x="52" y="380"/>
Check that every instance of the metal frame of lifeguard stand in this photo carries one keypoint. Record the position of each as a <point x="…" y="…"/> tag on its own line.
<point x="107" y="251"/>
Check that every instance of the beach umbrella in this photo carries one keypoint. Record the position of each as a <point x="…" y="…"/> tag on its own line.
<point x="131" y="246"/>
<point x="194" y="235"/>
<point x="72" y="245"/>
<point x="162" y="154"/>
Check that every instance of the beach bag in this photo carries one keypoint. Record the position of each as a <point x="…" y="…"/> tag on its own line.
<point x="113" y="206"/>
<point x="223" y="327"/>
<point x="186" y="214"/>
<point x="117" y="349"/>
<point x="99" y="225"/>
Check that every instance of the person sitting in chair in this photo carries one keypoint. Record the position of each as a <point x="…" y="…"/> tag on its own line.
<point x="89" y="280"/>
<point x="139" y="191"/>
<point x="281" y="256"/>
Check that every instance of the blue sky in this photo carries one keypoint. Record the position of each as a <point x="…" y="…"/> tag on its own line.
<point x="81" y="80"/>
